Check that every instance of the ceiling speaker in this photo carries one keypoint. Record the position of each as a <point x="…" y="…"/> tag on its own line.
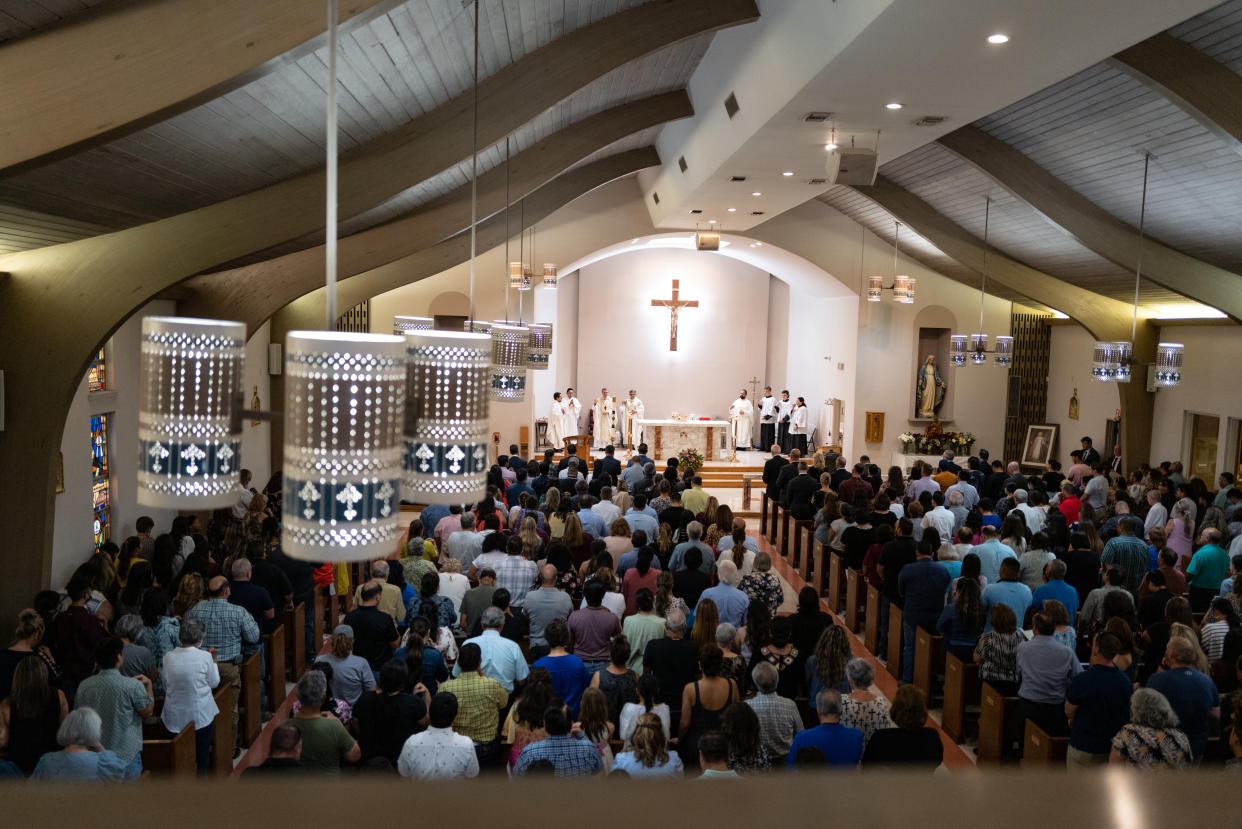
<point x="850" y="165"/>
<point x="707" y="240"/>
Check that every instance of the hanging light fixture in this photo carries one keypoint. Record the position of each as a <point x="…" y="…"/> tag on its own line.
<point x="345" y="405"/>
<point x="975" y="349"/>
<point x="540" y="350"/>
<point x="446" y="416"/>
<point x="510" y="347"/>
<point x="549" y="275"/>
<point x="190" y="376"/>
<point x="903" y="286"/>
<point x="1168" y="364"/>
<point x="402" y="324"/>
<point x="516" y="275"/>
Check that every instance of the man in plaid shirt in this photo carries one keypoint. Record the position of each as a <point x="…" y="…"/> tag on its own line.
<point x="479" y="700"/>
<point x="570" y="756"/>
<point x="516" y="574"/>
<point x="779" y="720"/>
<point x="228" y="627"/>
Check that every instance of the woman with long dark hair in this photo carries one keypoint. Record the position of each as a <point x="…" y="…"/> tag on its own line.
<point x="961" y="622"/>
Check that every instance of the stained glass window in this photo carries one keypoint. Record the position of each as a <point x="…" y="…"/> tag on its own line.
<point x="97" y="373"/>
<point x="101" y="493"/>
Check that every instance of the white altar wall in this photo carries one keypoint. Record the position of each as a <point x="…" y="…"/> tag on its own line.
<point x="623" y="339"/>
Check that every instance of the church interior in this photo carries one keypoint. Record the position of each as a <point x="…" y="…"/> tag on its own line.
<point x="369" y="251"/>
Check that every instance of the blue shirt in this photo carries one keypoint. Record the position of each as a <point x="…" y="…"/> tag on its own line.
<point x="1102" y="694"/>
<point x="991" y="553"/>
<point x="642" y="521"/>
<point x="514" y="492"/>
<point x="842" y="746"/>
<point x="677" y="562"/>
<point x="430" y="516"/>
<point x="1058" y="590"/>
<point x="1192" y="695"/>
<point x="922" y="584"/>
<point x="59" y="767"/>
<point x="1013" y="593"/>
<point x="1046" y="667"/>
<point x="572" y="756"/>
<point x="502" y="659"/>
<point x="569" y="678"/>
<point x="593" y="523"/>
<point x="731" y="603"/>
<point x="630" y="559"/>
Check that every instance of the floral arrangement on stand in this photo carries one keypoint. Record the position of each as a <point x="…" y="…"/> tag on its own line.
<point x="906" y="439"/>
<point x="690" y="459"/>
<point x="934" y="444"/>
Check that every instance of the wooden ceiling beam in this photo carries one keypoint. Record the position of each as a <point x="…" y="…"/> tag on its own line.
<point x="263" y="288"/>
<point x="111" y="73"/>
<point x="1093" y="227"/>
<point x="1203" y="88"/>
<point x="1105" y="318"/>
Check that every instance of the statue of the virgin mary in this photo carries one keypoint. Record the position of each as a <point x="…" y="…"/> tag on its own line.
<point x="929" y="389"/>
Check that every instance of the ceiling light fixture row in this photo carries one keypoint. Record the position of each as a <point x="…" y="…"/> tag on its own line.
<point x="903" y="286"/>
<point x="975" y="348"/>
<point x="1113" y="362"/>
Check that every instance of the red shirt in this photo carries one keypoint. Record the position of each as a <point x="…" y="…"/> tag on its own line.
<point x="1069" y="506"/>
<point x="870" y="563"/>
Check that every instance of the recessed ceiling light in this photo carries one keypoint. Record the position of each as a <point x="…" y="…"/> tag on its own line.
<point x="732" y="209"/>
<point x="756" y="193"/>
<point x="893" y="105"/>
<point x="998" y="38"/>
<point x="787" y="173"/>
<point x="760" y="244"/>
<point x="830" y="146"/>
<point x="711" y="221"/>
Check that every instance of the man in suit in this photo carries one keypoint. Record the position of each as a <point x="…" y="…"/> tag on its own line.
<point x="772" y="469"/>
<point x="788" y="472"/>
<point x="800" y="491"/>
<point x="515" y="462"/>
<point x="1089" y="456"/>
<point x="1114" y="463"/>
<point x="610" y="465"/>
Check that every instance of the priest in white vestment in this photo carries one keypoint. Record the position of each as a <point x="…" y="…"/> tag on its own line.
<point x="632" y="411"/>
<point x="605" y="417"/>
<point x="798" y="427"/>
<point x="742" y="420"/>
<point x="573" y="408"/>
<point x="556" y="422"/>
<point x="767" y="420"/>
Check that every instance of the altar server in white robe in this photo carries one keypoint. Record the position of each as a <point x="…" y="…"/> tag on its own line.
<point x="742" y="420"/>
<point x="632" y="411"/>
<point x="556" y="422"/>
<point x="573" y="409"/>
<point x="798" y="427"/>
<point x="605" y="411"/>
<point x="783" y="410"/>
<point x="767" y="419"/>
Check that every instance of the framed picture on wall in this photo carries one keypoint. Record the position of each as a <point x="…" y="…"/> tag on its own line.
<point x="875" y="427"/>
<point x="1037" y="448"/>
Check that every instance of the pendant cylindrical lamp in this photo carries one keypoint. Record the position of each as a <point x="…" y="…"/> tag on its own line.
<point x="480" y="327"/>
<point x="402" y="324"/>
<point x="510" y="347"/>
<point x="549" y="275"/>
<point x="516" y="275"/>
<point x="911" y="283"/>
<point x="978" y="349"/>
<point x="1169" y="364"/>
<point x="875" y="288"/>
<point x="446" y="410"/>
<point x="540" y="350"/>
<point x="1004" y="351"/>
<point x="1104" y="362"/>
<point x="901" y="284"/>
<point x="1124" y="352"/>
<point x="344" y="413"/>
<point x="190" y="377"/>
<point x="957" y="350"/>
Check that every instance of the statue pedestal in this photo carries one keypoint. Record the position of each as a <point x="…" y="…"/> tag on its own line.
<point x="926" y="421"/>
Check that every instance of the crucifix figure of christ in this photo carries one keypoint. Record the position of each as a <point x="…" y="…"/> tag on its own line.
<point x="753" y="382"/>
<point x="673" y="305"/>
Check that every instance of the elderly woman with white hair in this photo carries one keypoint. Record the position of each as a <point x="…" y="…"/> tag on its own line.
<point x="860" y="708"/>
<point x="190" y="675"/>
<point x="83" y="757"/>
<point x="762" y="585"/>
<point x="1151" y="740"/>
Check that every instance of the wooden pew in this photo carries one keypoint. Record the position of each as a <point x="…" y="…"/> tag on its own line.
<point x="894" y="641"/>
<point x="928" y="663"/>
<point x="961" y="689"/>
<point x="854" y="594"/>
<point x="998" y="724"/>
<point x="836" y="580"/>
<point x="782" y="532"/>
<point x="871" y="634"/>
<point x="251" y="722"/>
<point x="294" y="622"/>
<point x="223" y="740"/>
<point x="804" y="535"/>
<point x="765" y="522"/>
<point x="320" y="610"/>
<point x="166" y="755"/>
<point x="1041" y="749"/>
<point x="274" y="657"/>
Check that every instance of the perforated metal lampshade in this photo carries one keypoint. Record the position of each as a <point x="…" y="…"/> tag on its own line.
<point x="1104" y="363"/>
<point x="510" y="347"/>
<point x="901" y="284"/>
<point x="516" y="275"/>
<point x="1169" y="364"/>
<point x="957" y="350"/>
<point x="1124" y="368"/>
<point x="190" y="375"/>
<point x="401" y="324"/>
<point x="448" y="375"/>
<point x="1004" y="351"/>
<point x="911" y="285"/>
<point x="549" y="275"/>
<point x="875" y="288"/>
<point x="978" y="349"/>
<point x="540" y="350"/>
<point x="344" y="413"/>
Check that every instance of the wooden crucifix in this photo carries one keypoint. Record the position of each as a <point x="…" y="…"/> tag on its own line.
<point x="673" y="305"/>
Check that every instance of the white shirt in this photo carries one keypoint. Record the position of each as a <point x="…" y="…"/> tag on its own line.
<point x="1034" y="518"/>
<point x="942" y="520"/>
<point x="454" y="585"/>
<point x="613" y="601"/>
<point x="608" y="511"/>
<point x="190" y="677"/>
<point x="1158" y="516"/>
<point x="438" y="754"/>
<point x="243" y="501"/>
<point x="783" y="408"/>
<point x="767" y="408"/>
<point x="629" y="720"/>
<point x="797" y="421"/>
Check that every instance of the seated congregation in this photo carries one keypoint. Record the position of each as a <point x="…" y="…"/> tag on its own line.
<point x="622" y="621"/>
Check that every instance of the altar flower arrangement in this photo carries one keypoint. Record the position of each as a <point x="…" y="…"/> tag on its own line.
<point x="690" y="459"/>
<point x="906" y="440"/>
<point x="934" y="444"/>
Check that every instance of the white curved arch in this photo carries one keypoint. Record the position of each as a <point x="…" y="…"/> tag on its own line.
<point x="799" y="273"/>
